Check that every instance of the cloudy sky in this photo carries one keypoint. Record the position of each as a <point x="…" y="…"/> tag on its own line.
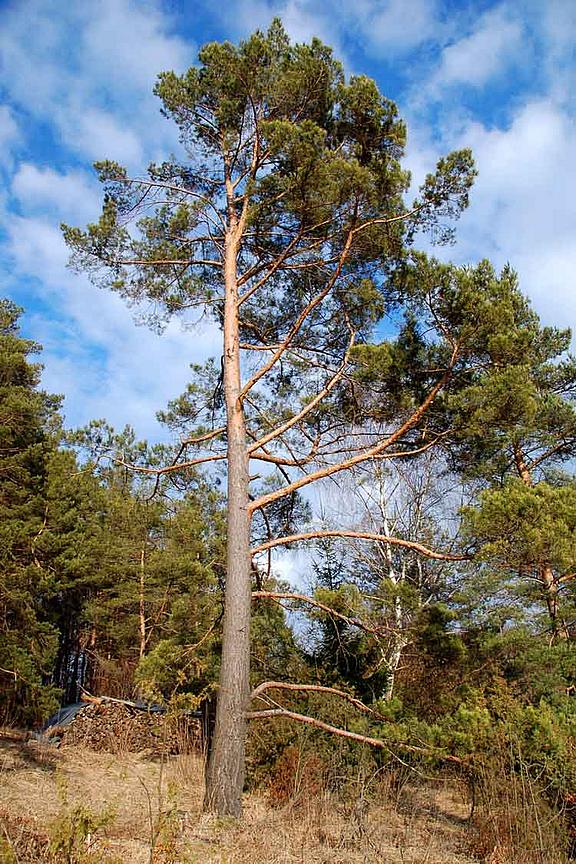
<point x="75" y="86"/>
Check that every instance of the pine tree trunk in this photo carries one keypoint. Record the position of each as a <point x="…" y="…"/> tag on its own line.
<point x="545" y="573"/>
<point x="559" y="629"/>
<point x="226" y="765"/>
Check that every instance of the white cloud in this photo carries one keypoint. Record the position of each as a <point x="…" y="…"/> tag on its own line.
<point x="85" y="73"/>
<point x="558" y="22"/>
<point x="397" y="26"/>
<point x="128" y="44"/>
<point x="32" y="52"/>
<point x="522" y="207"/>
<point x="94" y="352"/>
<point x="37" y="249"/>
<point x="88" y="70"/>
<point x="491" y="48"/>
<point x="524" y="201"/>
<point x="97" y="134"/>
<point x="302" y="19"/>
<point x="392" y="26"/>
<point x="73" y="196"/>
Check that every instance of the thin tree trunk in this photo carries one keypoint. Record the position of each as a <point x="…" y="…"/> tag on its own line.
<point x="399" y="640"/>
<point x="142" y="609"/>
<point x="225" y="772"/>
<point x="550" y="586"/>
<point x="545" y="572"/>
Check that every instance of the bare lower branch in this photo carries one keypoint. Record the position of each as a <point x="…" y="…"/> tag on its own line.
<point x="273" y="267"/>
<point x="354" y="736"/>
<point x="207" y="436"/>
<point x="387" y="220"/>
<point x="168" y="469"/>
<point x="295" y="329"/>
<point x="164" y="262"/>
<point x="172" y="187"/>
<point x="317" y="688"/>
<point x="311" y="601"/>
<point x="370" y="453"/>
<point x="270" y="436"/>
<point x="361" y="535"/>
<point x="265" y="456"/>
<point x="268" y="457"/>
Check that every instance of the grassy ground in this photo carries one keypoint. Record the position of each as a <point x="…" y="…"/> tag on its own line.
<point x="73" y="805"/>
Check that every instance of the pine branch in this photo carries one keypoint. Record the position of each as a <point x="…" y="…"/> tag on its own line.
<point x="361" y="535"/>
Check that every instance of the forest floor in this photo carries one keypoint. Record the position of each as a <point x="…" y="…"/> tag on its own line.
<point x="76" y="806"/>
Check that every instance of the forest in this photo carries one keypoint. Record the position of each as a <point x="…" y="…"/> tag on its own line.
<point x="405" y="424"/>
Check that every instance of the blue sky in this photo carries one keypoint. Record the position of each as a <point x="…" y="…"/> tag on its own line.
<point x="75" y="86"/>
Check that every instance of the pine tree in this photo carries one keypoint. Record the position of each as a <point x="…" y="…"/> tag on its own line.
<point x="506" y="423"/>
<point x="286" y="223"/>
<point x="28" y="423"/>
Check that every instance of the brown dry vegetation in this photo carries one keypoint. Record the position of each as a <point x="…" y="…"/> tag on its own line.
<point x="151" y="811"/>
<point x="76" y="806"/>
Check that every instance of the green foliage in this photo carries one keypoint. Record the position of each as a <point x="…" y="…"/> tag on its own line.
<point x="28" y="424"/>
<point x="87" y="560"/>
<point x="312" y="157"/>
<point x="73" y="830"/>
<point x="519" y="526"/>
<point x="435" y="640"/>
<point x="73" y="836"/>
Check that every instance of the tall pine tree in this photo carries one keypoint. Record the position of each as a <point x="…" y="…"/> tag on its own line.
<point x="28" y="434"/>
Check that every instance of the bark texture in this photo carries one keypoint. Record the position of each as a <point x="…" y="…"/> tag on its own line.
<point x="226" y="766"/>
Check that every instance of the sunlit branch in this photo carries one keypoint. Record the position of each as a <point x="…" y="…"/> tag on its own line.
<point x="207" y="436"/>
<point x="370" y="453"/>
<point x="311" y="601"/>
<point x="310" y="406"/>
<point x="168" y="469"/>
<point x="164" y="262"/>
<point x="300" y="319"/>
<point x="246" y="346"/>
<point x="361" y="535"/>
<point x="294" y="462"/>
<point x="317" y="688"/>
<point x="284" y="256"/>
<point x="295" y="459"/>
<point x="354" y="736"/>
<point x="274" y="267"/>
<point x="381" y="457"/>
<point x="543" y="457"/>
<point x="387" y="220"/>
<point x="171" y="187"/>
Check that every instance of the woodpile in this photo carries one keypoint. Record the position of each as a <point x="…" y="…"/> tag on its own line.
<point x="116" y="727"/>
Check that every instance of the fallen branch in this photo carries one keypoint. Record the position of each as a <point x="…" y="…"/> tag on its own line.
<point x="99" y="700"/>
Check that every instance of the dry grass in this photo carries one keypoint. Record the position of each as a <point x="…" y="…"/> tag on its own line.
<point x="157" y="817"/>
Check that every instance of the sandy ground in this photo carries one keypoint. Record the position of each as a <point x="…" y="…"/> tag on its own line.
<point x="154" y="815"/>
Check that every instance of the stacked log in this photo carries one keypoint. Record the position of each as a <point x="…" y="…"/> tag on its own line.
<point x="115" y="727"/>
